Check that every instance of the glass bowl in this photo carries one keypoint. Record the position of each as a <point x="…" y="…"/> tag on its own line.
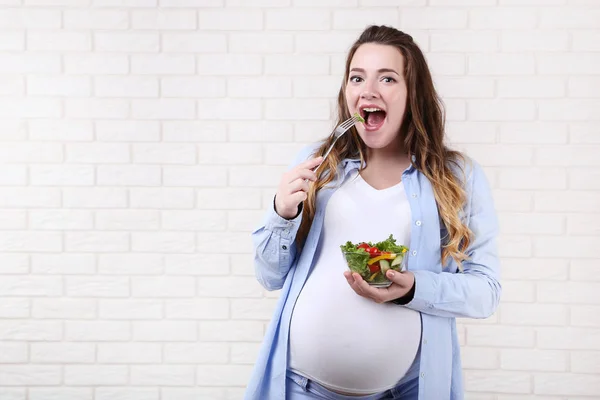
<point x="372" y="267"/>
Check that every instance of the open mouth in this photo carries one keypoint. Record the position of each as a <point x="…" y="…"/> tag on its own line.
<point x="374" y="117"/>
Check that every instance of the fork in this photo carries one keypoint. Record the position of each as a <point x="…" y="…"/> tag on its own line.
<point x="338" y="132"/>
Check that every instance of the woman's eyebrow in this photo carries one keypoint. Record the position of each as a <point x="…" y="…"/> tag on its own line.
<point x="379" y="70"/>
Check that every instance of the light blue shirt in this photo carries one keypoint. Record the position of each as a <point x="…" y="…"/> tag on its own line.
<point x="442" y="293"/>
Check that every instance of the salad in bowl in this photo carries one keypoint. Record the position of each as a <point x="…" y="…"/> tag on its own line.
<point x="373" y="260"/>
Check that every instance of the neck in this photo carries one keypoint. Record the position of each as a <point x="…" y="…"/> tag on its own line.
<point x="389" y="156"/>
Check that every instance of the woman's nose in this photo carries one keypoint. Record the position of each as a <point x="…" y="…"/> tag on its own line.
<point x="369" y="91"/>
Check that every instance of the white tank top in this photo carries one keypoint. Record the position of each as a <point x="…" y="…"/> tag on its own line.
<point x="345" y="342"/>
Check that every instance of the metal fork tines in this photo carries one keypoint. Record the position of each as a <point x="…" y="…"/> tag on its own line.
<point x="338" y="132"/>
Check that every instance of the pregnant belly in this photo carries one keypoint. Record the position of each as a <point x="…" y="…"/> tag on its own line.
<point x="347" y="343"/>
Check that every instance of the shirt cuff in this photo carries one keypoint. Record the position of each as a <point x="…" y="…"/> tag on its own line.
<point x="286" y="228"/>
<point x="425" y="289"/>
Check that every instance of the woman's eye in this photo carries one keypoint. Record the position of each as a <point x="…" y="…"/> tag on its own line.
<point x="355" y="79"/>
<point x="388" y="79"/>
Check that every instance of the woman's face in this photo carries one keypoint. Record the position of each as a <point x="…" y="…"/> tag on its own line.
<point x="377" y="91"/>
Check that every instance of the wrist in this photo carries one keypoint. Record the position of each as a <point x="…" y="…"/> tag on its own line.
<point x="407" y="298"/>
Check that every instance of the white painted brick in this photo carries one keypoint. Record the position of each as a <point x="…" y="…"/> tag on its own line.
<point x="527" y="223"/>
<point x="130" y="264"/>
<point x="471" y="132"/>
<point x="229" y="287"/>
<point x="32" y="107"/>
<point x="162" y="19"/>
<point x="534" y="314"/>
<point x="128" y="175"/>
<point x="127" y="131"/>
<point x="47" y="85"/>
<point x="158" y="287"/>
<point x="130" y="309"/>
<point x="230" y="154"/>
<point x="332" y="42"/>
<point x="576" y="247"/>
<point x="258" y="176"/>
<point x="451" y="41"/>
<point x="503" y="18"/>
<point x="499" y="155"/>
<point x="263" y="87"/>
<point x="13" y="219"/>
<point x="586" y="40"/>
<point x="196" y="264"/>
<point x="117" y="220"/>
<point x="60" y="130"/>
<point x="27" y="330"/>
<point x="531" y="87"/>
<point x="96" y="64"/>
<point x="311" y="131"/>
<point x="316" y="87"/>
<point x="568" y="292"/>
<point x="231" y="331"/>
<point x="34" y="375"/>
<point x="587" y="178"/>
<point x="193" y="393"/>
<point x="528" y="40"/>
<point x="63" y="308"/>
<point x="97" y="286"/>
<point x="480" y="358"/>
<point x="192" y="86"/>
<point x="17" y="63"/>
<point x="58" y="41"/>
<point x="130" y="86"/>
<point x="96" y="375"/>
<point x="568" y="338"/>
<point x="96" y="241"/>
<point x="196" y="353"/>
<point x="252" y="308"/>
<point x="518" y="291"/>
<point x="60" y="393"/>
<point x="566" y="384"/>
<point x="584" y="270"/>
<point x="160" y="198"/>
<point x="228" y="109"/>
<point x="125" y="3"/>
<point x="468" y="87"/>
<point x="296" y="64"/>
<point x="197" y="309"/>
<point x="533" y="360"/>
<point x="194" y="220"/>
<point x="585" y="316"/>
<point x="12" y="85"/>
<point x="244" y="221"/>
<point x="229" y="64"/>
<point x="163" y="109"/>
<point x="578" y="63"/>
<point x="447" y="64"/>
<point x="87" y="331"/>
<point x="501" y="64"/>
<point x="194" y="176"/>
<point x="165" y="331"/>
<point x="261" y="43"/>
<point x="532" y="178"/>
<point x="242" y="264"/>
<point x="17" y="353"/>
<point x="244" y="353"/>
<point x="130" y="42"/>
<point x="96" y="19"/>
<point x="281" y="154"/>
<point x="27" y="18"/>
<point x="31" y="152"/>
<point x="585" y="362"/>
<point x="433" y="18"/>
<point x="125" y="353"/>
<point x="230" y="20"/>
<point x="223" y="375"/>
<point x="126" y="393"/>
<point x="532" y="3"/>
<point x="14" y="308"/>
<point x="583" y="224"/>
<point x="13" y="129"/>
<point x="14" y="263"/>
<point x="498" y="110"/>
<point x="584" y="86"/>
<point x="97" y="108"/>
<point x="65" y="263"/>
<point x="569" y="110"/>
<point x="570" y="18"/>
<point x="583" y="132"/>
<point x="497" y="382"/>
<point x="260" y="131"/>
<point x="163" y="242"/>
<point x="297" y="109"/>
<point x="325" y="3"/>
<point x="164" y="153"/>
<point x="573" y="201"/>
<point x="500" y="336"/>
<point x="204" y="131"/>
<point x="164" y="375"/>
<point x="360" y="19"/>
<point x="159" y="64"/>
<point x="567" y="156"/>
<point x="535" y="269"/>
<point x="62" y="352"/>
<point x="533" y="133"/>
<point x="13" y="393"/>
<point x="29" y="241"/>
<point x="298" y="19"/>
<point x="68" y="3"/>
<point x="94" y="197"/>
<point x="61" y="175"/>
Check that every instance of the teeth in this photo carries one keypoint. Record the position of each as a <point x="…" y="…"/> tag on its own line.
<point x="372" y="109"/>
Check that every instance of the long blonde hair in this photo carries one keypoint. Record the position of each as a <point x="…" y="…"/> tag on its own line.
<point x="422" y="133"/>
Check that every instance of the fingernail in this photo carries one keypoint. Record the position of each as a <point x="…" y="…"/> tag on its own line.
<point x="390" y="274"/>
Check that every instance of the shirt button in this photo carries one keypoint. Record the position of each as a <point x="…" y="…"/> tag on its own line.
<point x="284" y="247"/>
<point x="414" y="253"/>
<point x="423" y="375"/>
<point x="414" y="195"/>
<point x="424" y="341"/>
<point x="418" y="223"/>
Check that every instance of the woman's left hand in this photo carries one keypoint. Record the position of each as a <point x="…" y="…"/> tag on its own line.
<point x="402" y="283"/>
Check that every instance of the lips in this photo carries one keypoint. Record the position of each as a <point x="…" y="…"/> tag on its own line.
<point x="373" y="115"/>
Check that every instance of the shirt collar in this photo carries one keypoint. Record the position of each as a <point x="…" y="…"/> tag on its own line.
<point x="350" y="164"/>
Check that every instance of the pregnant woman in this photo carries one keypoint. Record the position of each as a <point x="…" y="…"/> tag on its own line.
<point x="334" y="336"/>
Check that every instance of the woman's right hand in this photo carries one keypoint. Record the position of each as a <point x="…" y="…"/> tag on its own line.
<point x="293" y="188"/>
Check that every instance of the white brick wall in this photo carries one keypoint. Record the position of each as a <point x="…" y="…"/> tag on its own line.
<point x="141" y="141"/>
